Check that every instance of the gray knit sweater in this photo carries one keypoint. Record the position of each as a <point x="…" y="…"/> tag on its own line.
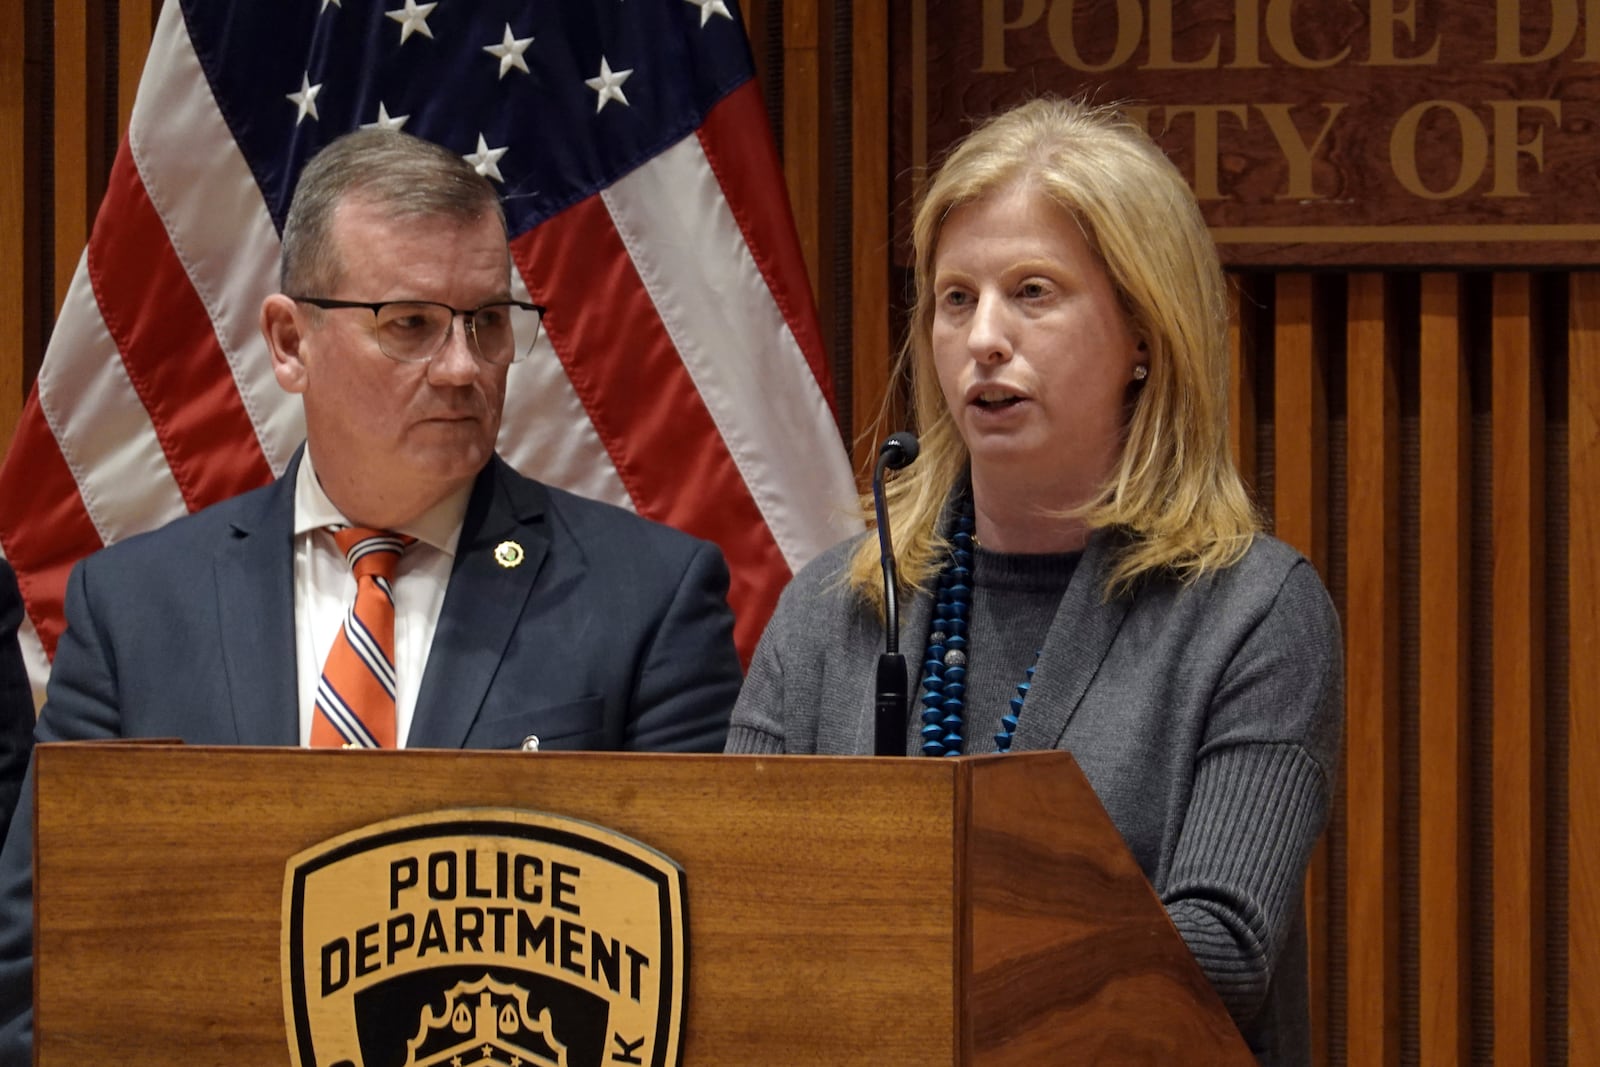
<point x="1207" y="717"/>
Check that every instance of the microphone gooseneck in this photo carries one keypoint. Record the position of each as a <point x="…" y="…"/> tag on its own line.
<point x="889" y="700"/>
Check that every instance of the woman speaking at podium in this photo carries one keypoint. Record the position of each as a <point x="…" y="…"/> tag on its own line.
<point x="1084" y="568"/>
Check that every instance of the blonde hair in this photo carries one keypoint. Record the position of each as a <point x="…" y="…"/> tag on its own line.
<point x="1174" y="491"/>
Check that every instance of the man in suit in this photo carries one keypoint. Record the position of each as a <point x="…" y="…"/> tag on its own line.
<point x="522" y="616"/>
<point x="16" y="698"/>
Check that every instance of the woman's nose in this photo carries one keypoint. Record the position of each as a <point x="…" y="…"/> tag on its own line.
<point x="989" y="339"/>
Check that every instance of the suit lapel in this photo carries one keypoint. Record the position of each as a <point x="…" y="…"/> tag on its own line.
<point x="482" y="606"/>
<point x="254" y="573"/>
<point x="1074" y="647"/>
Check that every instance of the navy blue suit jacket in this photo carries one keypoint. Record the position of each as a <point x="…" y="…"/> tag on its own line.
<point x="613" y="633"/>
<point x="16" y="698"/>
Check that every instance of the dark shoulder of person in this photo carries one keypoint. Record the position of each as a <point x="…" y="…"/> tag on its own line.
<point x="16" y="698"/>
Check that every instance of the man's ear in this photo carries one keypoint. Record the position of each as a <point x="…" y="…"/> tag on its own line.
<point x="282" y="327"/>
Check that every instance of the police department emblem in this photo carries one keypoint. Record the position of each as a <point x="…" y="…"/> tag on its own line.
<point x="481" y="937"/>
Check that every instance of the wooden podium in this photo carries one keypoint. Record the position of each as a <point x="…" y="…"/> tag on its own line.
<point x="980" y="910"/>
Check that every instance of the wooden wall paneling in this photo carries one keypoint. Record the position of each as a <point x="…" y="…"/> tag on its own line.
<point x="1372" y="644"/>
<point x="76" y="106"/>
<point x="84" y="91"/>
<point x="1518" y="695"/>
<point x="802" y="127"/>
<point x="1583" y="711"/>
<point x="13" y="210"/>
<point x="1444" y="735"/>
<point x="1241" y="379"/>
<point x="19" y="237"/>
<point x="871" y="355"/>
<point x="1300" y="517"/>
<point x="1300" y="421"/>
<point x="136" y="20"/>
<point x="756" y="13"/>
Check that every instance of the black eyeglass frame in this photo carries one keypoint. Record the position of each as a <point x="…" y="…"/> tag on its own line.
<point x="467" y="315"/>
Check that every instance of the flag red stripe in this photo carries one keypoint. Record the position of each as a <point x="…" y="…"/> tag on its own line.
<point x="738" y="144"/>
<point x="643" y="404"/>
<point x="35" y="482"/>
<point x="171" y="353"/>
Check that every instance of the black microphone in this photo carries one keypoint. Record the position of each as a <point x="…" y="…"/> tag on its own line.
<point x="889" y="700"/>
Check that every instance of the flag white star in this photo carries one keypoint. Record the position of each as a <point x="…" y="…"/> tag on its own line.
<point x="709" y="8"/>
<point x="509" y="52"/>
<point x="486" y="160"/>
<point x="306" y="99"/>
<point x="608" y="84"/>
<point x="385" y="121"/>
<point x="413" y="18"/>
<point x="325" y="3"/>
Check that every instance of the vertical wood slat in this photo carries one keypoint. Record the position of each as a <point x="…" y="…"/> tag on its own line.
<point x="1372" y="643"/>
<point x="1518" y="695"/>
<point x="1241" y="385"/>
<point x="75" y="100"/>
<point x="802" y="127"/>
<point x="1444" y="734"/>
<point x="16" y="258"/>
<point x="1583" y="713"/>
<point x="136" y="20"/>
<point x="1300" y="422"/>
<point x="1300" y="448"/>
<point x="755" y="30"/>
<point x="871" y="358"/>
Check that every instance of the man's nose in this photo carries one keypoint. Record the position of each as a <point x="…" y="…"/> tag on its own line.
<point x="456" y="361"/>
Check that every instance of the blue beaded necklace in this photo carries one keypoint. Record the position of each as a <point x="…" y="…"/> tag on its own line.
<point x="944" y="666"/>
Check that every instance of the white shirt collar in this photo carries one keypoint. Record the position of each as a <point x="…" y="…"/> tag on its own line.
<point x="439" y="526"/>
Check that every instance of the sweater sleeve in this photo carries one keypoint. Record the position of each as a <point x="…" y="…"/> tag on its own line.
<point x="757" y="726"/>
<point x="1261" y="794"/>
<point x="788" y="682"/>
<point x="1239" y="869"/>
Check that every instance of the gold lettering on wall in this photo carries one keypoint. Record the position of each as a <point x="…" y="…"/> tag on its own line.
<point x="1297" y="154"/>
<point x="1508" y="31"/>
<point x="1130" y="27"/>
<point x="1377" y="117"/>
<point x="1280" y="34"/>
<point x="1206" y="139"/>
<point x="995" y="26"/>
<point x="1384" y="18"/>
<point x="1507" y="145"/>
<point x="1246" y="34"/>
<point x="1474" y="142"/>
<point x="1161" y="52"/>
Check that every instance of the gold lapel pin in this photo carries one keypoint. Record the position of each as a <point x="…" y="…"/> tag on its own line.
<point x="508" y="554"/>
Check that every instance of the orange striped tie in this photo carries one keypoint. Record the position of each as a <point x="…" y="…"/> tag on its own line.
<point x="355" y="698"/>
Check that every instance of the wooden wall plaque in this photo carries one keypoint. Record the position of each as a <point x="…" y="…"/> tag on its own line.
<point x="1336" y="133"/>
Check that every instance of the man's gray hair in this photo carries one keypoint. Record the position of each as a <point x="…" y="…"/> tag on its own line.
<point x="407" y="176"/>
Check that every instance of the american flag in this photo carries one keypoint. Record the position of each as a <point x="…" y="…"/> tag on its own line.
<point x="681" y="373"/>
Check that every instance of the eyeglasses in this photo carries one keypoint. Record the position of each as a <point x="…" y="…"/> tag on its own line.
<point x="414" y="331"/>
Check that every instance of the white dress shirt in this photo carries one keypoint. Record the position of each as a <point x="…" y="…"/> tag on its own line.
<point x="324" y="589"/>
